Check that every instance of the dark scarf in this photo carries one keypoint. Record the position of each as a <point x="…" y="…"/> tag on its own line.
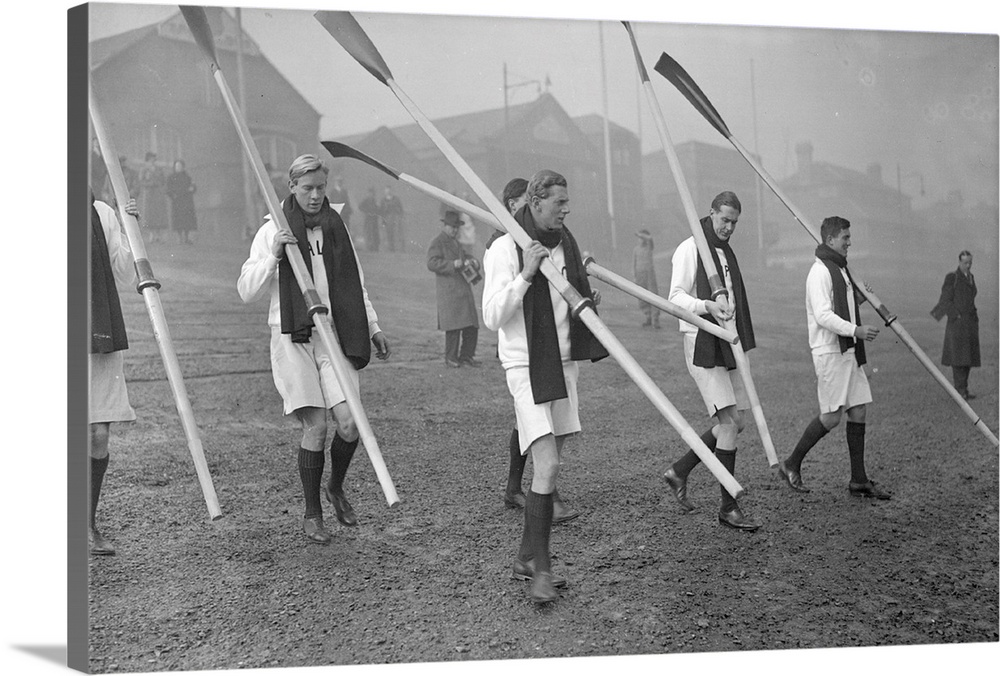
<point x="710" y="351"/>
<point x="834" y="262"/>
<point x="344" y="282"/>
<point x="107" y="326"/>
<point x="544" y="361"/>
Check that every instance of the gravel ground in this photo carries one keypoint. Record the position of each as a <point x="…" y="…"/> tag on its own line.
<point x="428" y="581"/>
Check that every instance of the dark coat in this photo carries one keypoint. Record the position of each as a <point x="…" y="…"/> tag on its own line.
<point x="961" y="335"/>
<point x="455" y="302"/>
<point x="180" y="190"/>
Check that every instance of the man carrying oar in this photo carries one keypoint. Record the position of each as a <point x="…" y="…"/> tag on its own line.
<point x="302" y="370"/>
<point x="539" y="346"/>
<point x="110" y="264"/>
<point x="710" y="361"/>
<point x="837" y="339"/>
<point x="515" y="196"/>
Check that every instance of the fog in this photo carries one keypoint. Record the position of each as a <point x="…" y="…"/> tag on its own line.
<point x="921" y="105"/>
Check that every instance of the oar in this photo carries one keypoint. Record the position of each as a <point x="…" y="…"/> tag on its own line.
<point x="677" y="76"/>
<point x="346" y="30"/>
<point x="149" y="287"/>
<point x="198" y="23"/>
<point x="631" y="288"/>
<point x="715" y="282"/>
<point x="342" y="150"/>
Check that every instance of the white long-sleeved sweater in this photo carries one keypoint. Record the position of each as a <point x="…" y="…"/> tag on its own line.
<point x="503" y="296"/>
<point x="684" y="266"/>
<point x="825" y="325"/>
<point x="260" y="274"/>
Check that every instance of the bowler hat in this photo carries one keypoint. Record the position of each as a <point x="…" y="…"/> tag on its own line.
<point x="452" y="218"/>
<point x="644" y="234"/>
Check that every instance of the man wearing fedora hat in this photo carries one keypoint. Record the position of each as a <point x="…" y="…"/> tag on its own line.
<point x="644" y="275"/>
<point x="457" y="314"/>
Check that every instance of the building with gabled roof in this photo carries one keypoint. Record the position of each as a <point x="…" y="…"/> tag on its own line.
<point x="156" y="93"/>
<point x="498" y="144"/>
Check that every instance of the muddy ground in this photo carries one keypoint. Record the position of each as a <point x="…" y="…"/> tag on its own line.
<point x="429" y="580"/>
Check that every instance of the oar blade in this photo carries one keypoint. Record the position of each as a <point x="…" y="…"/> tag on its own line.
<point x="678" y="77"/>
<point x="346" y="30"/>
<point x="643" y="74"/>
<point x="342" y="150"/>
<point x="197" y="21"/>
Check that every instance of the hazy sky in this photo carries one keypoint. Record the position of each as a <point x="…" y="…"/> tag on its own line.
<point x="925" y="102"/>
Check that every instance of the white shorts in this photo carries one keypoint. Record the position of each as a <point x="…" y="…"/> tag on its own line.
<point x="108" y="393"/>
<point x="558" y="418"/>
<point x="719" y="387"/>
<point x="303" y="373"/>
<point x="840" y="382"/>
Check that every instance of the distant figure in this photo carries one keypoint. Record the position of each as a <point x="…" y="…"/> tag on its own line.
<point x="391" y="211"/>
<point x="644" y="275"/>
<point x="338" y="195"/>
<point x="961" y="334"/>
<point x="181" y="191"/>
<point x="456" y="306"/>
<point x="111" y="264"/>
<point x="153" y="198"/>
<point x="98" y="173"/>
<point x="369" y="207"/>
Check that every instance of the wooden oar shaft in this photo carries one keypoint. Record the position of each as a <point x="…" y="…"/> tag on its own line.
<point x="341" y="366"/>
<point x="718" y="288"/>
<point x="622" y="284"/>
<point x="671" y="70"/>
<point x="890" y="319"/>
<point x="149" y="288"/>
<point x="580" y="306"/>
<point x="361" y="48"/>
<point x="660" y="401"/>
<point x="198" y="24"/>
<point x="714" y="280"/>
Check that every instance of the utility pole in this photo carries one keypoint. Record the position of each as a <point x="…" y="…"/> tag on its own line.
<point x="607" y="142"/>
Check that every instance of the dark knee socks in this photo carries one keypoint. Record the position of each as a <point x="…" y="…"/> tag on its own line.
<point x="856" y="449"/>
<point x="341" y="453"/>
<point x="537" y="527"/>
<point x="311" y="474"/>
<point x="813" y="433"/>
<point x="517" y="462"/>
<point x="728" y="460"/>
<point x="690" y="460"/>
<point x="98" y="466"/>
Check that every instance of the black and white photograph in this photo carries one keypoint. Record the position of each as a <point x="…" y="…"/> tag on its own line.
<point x="516" y="337"/>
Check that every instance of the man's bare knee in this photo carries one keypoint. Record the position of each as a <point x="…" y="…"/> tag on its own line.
<point x="313" y="428"/>
<point x="100" y="433"/>
<point x="832" y="419"/>
<point x="347" y="429"/>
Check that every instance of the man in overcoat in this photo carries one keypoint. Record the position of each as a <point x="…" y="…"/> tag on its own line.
<point x="457" y="315"/>
<point x="961" y="334"/>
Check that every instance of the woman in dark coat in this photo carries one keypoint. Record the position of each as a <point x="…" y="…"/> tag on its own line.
<point x="181" y="190"/>
<point x="961" y="335"/>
